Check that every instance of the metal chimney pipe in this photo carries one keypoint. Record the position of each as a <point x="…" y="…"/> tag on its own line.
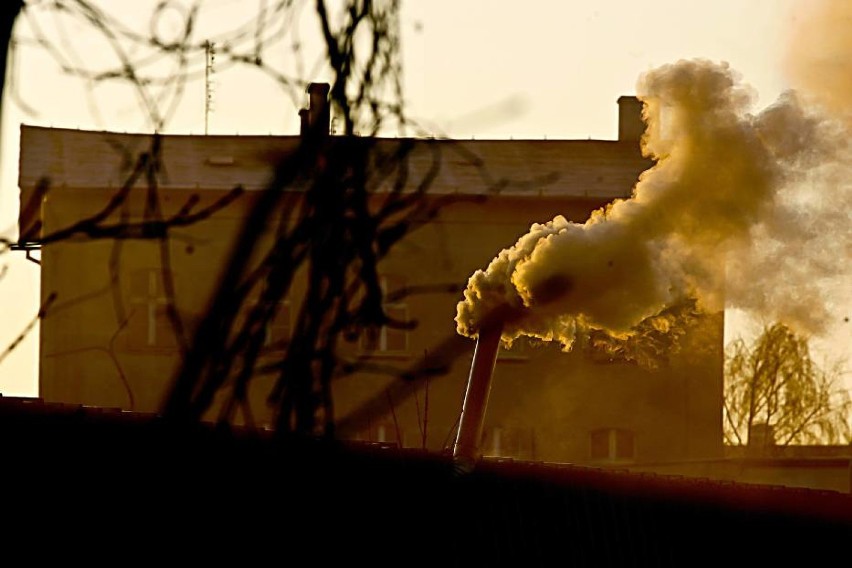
<point x="466" y="449"/>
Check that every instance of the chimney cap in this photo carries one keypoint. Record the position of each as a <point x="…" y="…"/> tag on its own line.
<point x="320" y="88"/>
<point x="627" y="99"/>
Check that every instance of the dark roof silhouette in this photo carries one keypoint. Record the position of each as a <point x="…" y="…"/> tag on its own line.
<point x="138" y="483"/>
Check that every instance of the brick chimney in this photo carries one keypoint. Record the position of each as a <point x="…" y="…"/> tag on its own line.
<point x="304" y="122"/>
<point x="630" y="123"/>
<point x="317" y="117"/>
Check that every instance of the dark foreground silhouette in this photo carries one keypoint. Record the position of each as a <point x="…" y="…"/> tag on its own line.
<point x="93" y="483"/>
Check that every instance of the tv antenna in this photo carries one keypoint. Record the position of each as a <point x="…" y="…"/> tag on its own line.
<point x="209" y="60"/>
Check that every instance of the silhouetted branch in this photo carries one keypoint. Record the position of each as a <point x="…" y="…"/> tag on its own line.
<point x="334" y="209"/>
<point x="42" y="312"/>
<point x="109" y="350"/>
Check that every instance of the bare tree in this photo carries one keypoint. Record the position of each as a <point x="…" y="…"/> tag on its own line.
<point x="316" y="209"/>
<point x="774" y="385"/>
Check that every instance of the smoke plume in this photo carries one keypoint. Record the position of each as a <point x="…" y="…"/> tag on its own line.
<point x="740" y="209"/>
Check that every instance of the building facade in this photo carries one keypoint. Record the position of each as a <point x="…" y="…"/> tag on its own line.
<point x="107" y="338"/>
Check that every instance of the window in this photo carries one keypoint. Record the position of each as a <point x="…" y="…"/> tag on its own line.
<point x="508" y="442"/>
<point x="389" y="339"/>
<point x="149" y="327"/>
<point x="612" y="444"/>
<point x="519" y="351"/>
<point x="278" y="330"/>
<point x="383" y="432"/>
<point x="388" y="433"/>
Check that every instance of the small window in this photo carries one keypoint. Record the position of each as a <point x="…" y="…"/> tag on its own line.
<point x="612" y="444"/>
<point x="393" y="338"/>
<point x="278" y="331"/>
<point x="149" y="327"/>
<point x="518" y="352"/>
<point x="508" y="442"/>
<point x="389" y="339"/>
<point x="384" y="432"/>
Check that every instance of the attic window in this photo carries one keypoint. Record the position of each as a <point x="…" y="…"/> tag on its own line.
<point x="221" y="160"/>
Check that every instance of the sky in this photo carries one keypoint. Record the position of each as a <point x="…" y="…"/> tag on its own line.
<point x="478" y="68"/>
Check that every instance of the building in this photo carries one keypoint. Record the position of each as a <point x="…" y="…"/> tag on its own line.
<point x="107" y="338"/>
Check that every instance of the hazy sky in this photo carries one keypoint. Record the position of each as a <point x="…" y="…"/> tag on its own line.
<point x="489" y="69"/>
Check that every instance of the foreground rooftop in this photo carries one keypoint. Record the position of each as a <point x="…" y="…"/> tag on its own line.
<point x="136" y="476"/>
